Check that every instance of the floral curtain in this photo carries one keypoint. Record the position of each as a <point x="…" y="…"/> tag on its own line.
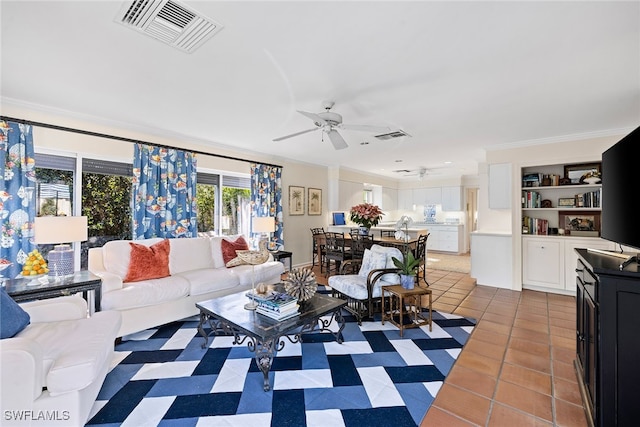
<point x="17" y="198"/>
<point x="266" y="197"/>
<point x="164" y="193"/>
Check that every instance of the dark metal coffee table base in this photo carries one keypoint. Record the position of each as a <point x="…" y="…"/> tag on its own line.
<point x="265" y="336"/>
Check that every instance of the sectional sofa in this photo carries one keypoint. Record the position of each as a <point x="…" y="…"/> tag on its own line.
<point x="194" y="270"/>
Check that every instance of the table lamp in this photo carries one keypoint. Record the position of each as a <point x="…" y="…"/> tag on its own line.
<point x="264" y="225"/>
<point x="60" y="230"/>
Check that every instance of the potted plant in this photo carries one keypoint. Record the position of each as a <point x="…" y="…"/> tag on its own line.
<point x="408" y="267"/>
<point x="366" y="216"/>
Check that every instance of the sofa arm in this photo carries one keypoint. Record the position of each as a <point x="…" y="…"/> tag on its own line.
<point x="21" y="373"/>
<point x="56" y="309"/>
<point x="110" y="281"/>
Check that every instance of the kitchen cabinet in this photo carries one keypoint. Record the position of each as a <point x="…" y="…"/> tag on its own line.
<point x="452" y="198"/>
<point x="445" y="238"/>
<point x="405" y="199"/>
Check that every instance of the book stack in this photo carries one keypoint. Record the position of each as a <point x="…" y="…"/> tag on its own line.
<point x="276" y="305"/>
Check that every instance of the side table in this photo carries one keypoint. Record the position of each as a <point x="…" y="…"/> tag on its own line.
<point x="280" y="255"/>
<point x="394" y="299"/>
<point x="82" y="281"/>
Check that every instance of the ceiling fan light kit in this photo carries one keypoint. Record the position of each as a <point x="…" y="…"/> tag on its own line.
<point x="329" y="122"/>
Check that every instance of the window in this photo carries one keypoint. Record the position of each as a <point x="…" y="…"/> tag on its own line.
<point x="236" y="205"/>
<point x="106" y="201"/>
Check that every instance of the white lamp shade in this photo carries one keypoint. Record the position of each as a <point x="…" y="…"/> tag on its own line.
<point x="60" y="229"/>
<point x="264" y="224"/>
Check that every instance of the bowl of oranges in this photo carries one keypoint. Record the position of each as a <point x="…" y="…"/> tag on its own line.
<point x="34" y="267"/>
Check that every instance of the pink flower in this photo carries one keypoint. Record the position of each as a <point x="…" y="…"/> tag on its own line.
<point x="366" y="215"/>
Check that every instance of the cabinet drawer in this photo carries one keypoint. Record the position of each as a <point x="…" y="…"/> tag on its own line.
<point x="588" y="281"/>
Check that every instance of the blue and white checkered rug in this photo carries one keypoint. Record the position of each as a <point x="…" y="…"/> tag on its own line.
<point x="375" y="378"/>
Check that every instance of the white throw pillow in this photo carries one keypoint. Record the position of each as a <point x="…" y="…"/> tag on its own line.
<point x="371" y="260"/>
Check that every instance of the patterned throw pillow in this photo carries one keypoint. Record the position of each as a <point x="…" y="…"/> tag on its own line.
<point x="13" y="318"/>
<point x="148" y="262"/>
<point x="229" y="251"/>
<point x="371" y="261"/>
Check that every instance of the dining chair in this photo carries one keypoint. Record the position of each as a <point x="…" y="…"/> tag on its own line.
<point x="360" y="242"/>
<point x="336" y="251"/>
<point x="420" y="253"/>
<point x="316" y="233"/>
<point x="387" y="233"/>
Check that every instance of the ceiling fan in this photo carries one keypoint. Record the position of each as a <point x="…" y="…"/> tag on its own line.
<point x="420" y="172"/>
<point x="328" y="122"/>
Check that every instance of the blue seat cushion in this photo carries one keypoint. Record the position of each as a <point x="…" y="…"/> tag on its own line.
<point x="13" y="318"/>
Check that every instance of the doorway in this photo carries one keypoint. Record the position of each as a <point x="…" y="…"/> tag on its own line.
<point x="471" y="213"/>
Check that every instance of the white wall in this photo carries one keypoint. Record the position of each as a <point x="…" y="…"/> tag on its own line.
<point x="297" y="232"/>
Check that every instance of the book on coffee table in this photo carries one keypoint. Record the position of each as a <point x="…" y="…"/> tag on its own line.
<point x="277" y="315"/>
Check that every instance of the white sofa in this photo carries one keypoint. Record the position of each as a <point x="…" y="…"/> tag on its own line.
<point x="52" y="370"/>
<point x="198" y="273"/>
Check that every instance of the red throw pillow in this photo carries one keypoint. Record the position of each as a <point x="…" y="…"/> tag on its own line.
<point x="148" y="262"/>
<point x="229" y="248"/>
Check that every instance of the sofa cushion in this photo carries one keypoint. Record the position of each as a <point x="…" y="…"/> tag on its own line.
<point x="13" y="318"/>
<point x="148" y="262"/>
<point x="390" y="253"/>
<point x="116" y="254"/>
<point x="190" y="254"/>
<point x="146" y="293"/>
<point x="209" y="280"/>
<point x="74" y="351"/>
<point x="229" y="248"/>
<point x="216" y="249"/>
<point x="268" y="272"/>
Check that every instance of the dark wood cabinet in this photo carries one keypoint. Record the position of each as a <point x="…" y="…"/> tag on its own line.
<point x="608" y="339"/>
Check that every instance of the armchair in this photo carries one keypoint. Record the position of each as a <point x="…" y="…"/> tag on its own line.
<point x="360" y="281"/>
<point x="55" y="366"/>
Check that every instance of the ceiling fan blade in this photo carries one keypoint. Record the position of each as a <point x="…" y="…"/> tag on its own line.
<point x="294" y="134"/>
<point x="366" y="128"/>
<point x="336" y="139"/>
<point x="319" y="121"/>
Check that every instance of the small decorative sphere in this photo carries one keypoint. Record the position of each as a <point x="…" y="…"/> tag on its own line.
<point x="301" y="283"/>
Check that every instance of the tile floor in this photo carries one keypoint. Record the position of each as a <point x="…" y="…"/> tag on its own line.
<point x="517" y="367"/>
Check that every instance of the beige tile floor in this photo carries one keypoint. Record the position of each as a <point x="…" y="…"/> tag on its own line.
<point x="517" y="367"/>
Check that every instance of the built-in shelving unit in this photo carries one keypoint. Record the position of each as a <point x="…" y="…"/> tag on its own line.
<point x="558" y="214"/>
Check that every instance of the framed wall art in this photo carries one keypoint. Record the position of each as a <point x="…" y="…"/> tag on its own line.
<point x="315" y="201"/>
<point x="580" y="223"/>
<point x="296" y="200"/>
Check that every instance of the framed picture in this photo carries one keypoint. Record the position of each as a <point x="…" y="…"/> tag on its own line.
<point x="566" y="202"/>
<point x="315" y="201"/>
<point x="296" y="200"/>
<point x="575" y="172"/>
<point x="582" y="223"/>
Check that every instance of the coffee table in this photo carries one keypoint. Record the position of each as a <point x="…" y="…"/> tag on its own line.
<point x="264" y="336"/>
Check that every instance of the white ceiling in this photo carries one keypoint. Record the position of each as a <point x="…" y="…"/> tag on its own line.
<point x="459" y="77"/>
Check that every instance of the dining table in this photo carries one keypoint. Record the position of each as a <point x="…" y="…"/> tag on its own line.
<point x="401" y="244"/>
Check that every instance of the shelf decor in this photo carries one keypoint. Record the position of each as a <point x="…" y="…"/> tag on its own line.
<point x="582" y="223"/>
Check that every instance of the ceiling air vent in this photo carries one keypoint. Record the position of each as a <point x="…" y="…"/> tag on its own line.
<point x="170" y="22"/>
<point x="391" y="135"/>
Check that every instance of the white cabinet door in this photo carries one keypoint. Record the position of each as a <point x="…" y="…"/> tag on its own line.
<point x="543" y="262"/>
<point x="433" y="241"/>
<point x="389" y="199"/>
<point x="451" y="198"/>
<point x="405" y="199"/>
<point x="419" y="196"/>
<point x="433" y="196"/>
<point x="500" y="186"/>
<point x="449" y="241"/>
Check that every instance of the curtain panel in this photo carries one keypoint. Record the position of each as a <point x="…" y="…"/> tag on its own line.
<point x="266" y="197"/>
<point x="17" y="196"/>
<point x="163" y="193"/>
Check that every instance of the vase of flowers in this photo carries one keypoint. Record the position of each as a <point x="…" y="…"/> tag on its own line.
<point x="366" y="216"/>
